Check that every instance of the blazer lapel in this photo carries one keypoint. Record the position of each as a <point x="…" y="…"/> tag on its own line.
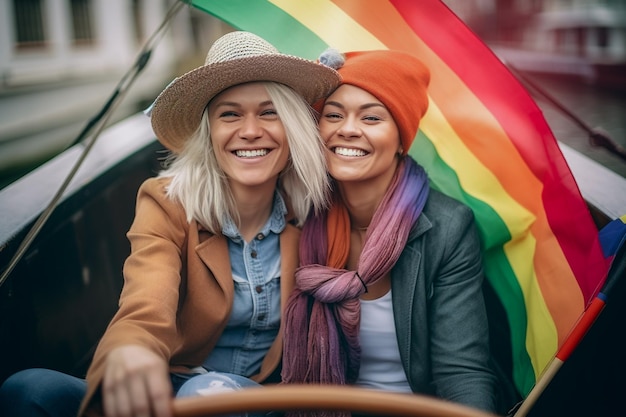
<point x="404" y="278"/>
<point x="288" y="262"/>
<point x="214" y="254"/>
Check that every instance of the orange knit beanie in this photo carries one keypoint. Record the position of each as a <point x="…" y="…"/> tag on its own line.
<point x="397" y="79"/>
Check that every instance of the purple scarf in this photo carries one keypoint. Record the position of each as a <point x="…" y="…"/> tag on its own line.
<point x="326" y="298"/>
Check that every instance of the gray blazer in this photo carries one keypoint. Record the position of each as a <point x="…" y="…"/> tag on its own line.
<point x="439" y="310"/>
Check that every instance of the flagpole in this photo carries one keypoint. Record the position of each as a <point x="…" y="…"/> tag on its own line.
<point x="548" y="374"/>
<point x="573" y="339"/>
<point x="577" y="333"/>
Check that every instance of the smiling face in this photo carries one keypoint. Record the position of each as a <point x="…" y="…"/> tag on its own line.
<point x="248" y="137"/>
<point x="361" y="137"/>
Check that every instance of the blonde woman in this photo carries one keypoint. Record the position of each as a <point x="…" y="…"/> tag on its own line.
<point x="214" y="243"/>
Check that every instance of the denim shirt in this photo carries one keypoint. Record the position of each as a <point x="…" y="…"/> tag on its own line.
<point x="255" y="316"/>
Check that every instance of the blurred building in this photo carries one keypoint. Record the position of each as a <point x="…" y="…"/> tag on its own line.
<point x="61" y="60"/>
<point x="582" y="39"/>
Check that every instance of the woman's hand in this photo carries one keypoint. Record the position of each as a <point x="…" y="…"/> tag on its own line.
<point x="136" y="384"/>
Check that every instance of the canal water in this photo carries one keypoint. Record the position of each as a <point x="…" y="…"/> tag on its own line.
<point x="597" y="108"/>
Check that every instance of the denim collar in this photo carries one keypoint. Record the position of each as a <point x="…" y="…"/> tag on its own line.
<point x="275" y="224"/>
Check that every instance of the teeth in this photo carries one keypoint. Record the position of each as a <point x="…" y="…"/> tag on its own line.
<point x="349" y="151"/>
<point x="251" y="153"/>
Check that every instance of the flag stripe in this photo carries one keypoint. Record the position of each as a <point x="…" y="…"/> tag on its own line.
<point x="252" y="16"/>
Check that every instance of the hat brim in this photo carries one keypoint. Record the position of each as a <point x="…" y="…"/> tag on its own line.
<point x="177" y="111"/>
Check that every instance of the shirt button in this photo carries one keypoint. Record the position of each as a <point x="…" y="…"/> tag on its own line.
<point x="258" y="289"/>
<point x="253" y="254"/>
<point x="260" y="236"/>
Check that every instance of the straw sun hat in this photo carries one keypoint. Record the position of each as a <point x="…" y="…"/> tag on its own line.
<point x="235" y="58"/>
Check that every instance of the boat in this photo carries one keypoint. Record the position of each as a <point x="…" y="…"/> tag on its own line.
<point x="58" y="298"/>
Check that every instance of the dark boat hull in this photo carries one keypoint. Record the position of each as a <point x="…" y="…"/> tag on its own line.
<point x="59" y="298"/>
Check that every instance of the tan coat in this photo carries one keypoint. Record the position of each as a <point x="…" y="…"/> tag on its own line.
<point x="178" y="290"/>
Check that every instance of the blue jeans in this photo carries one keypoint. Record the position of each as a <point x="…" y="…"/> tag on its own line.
<point x="46" y="393"/>
<point x="41" y="393"/>
<point x="215" y="382"/>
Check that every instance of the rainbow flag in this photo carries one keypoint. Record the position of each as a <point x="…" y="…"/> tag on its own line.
<point x="483" y="141"/>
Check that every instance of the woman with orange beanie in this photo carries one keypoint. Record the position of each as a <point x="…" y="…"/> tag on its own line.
<point x="389" y="287"/>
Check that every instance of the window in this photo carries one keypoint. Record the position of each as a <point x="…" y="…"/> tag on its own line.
<point x="603" y="37"/>
<point x="28" y="23"/>
<point x="81" y="21"/>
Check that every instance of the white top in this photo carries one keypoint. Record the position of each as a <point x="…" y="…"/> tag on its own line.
<point x="381" y="367"/>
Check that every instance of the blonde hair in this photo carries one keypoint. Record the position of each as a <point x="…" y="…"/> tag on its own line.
<point x="200" y="185"/>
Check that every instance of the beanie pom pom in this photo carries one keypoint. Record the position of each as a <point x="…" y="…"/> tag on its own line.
<point x="332" y="58"/>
